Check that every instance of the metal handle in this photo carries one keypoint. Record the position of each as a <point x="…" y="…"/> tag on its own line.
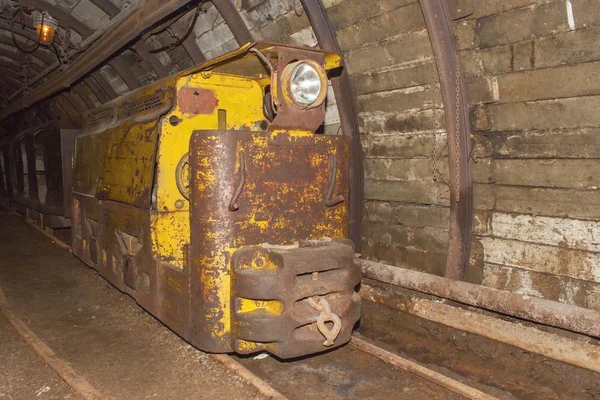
<point x="329" y="202"/>
<point x="233" y="204"/>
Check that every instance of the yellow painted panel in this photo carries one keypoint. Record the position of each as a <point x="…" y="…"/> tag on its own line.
<point x="273" y="307"/>
<point x="170" y="233"/>
<point x="241" y="98"/>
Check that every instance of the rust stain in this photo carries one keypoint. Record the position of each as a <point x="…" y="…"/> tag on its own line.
<point x="196" y="100"/>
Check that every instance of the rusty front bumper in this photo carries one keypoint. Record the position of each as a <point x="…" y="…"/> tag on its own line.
<point x="263" y="207"/>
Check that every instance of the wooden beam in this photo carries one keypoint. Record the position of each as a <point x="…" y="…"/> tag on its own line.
<point x="107" y="6"/>
<point x="145" y="15"/>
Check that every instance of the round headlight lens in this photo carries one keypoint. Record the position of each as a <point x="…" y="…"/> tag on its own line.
<point x="305" y="84"/>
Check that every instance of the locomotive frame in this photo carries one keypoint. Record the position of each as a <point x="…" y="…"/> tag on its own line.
<point x="209" y="197"/>
<point x="35" y="173"/>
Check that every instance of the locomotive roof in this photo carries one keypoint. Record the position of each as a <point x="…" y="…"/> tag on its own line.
<point x="243" y="61"/>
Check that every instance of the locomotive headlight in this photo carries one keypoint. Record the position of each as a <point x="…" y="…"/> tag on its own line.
<point x="305" y="84"/>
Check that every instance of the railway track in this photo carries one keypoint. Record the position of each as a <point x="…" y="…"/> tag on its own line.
<point x="359" y="370"/>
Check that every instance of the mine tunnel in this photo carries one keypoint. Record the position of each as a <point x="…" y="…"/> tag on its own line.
<point x="299" y="199"/>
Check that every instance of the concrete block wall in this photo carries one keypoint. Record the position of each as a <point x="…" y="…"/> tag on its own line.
<point x="531" y="70"/>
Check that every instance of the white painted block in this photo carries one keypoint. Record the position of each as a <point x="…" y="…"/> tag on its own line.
<point x="564" y="232"/>
<point x="561" y="261"/>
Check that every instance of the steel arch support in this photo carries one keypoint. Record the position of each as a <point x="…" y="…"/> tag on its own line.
<point x="317" y="15"/>
<point x="456" y="110"/>
<point x="234" y="21"/>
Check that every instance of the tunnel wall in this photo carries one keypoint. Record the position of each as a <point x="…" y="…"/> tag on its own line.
<point x="531" y="73"/>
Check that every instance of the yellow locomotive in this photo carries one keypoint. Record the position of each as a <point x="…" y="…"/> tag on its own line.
<point x="210" y="198"/>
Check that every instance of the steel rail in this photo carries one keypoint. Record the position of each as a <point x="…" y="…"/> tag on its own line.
<point x="234" y="21"/>
<point x="389" y="358"/>
<point x="546" y="312"/>
<point x="226" y="360"/>
<point x="417" y="369"/>
<point x="528" y="338"/>
<point x="456" y="110"/>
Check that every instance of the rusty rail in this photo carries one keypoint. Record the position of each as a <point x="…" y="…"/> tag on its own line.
<point x="234" y="21"/>
<point x="552" y="313"/>
<point x="556" y="347"/>
<point x="414" y="368"/>
<point x="439" y="26"/>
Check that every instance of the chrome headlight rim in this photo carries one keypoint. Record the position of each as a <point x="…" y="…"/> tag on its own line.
<point x="289" y="74"/>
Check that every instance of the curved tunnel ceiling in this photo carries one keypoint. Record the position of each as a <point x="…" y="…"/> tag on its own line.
<point x="105" y="48"/>
<point x="196" y="32"/>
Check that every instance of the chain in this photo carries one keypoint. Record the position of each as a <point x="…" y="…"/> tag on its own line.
<point x="437" y="175"/>
<point x="63" y="48"/>
<point x="320" y="304"/>
<point x="25" y="66"/>
<point x="456" y="61"/>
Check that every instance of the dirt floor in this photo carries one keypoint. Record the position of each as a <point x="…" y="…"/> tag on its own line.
<point x="125" y="353"/>
<point x="460" y="355"/>
<point x="101" y="333"/>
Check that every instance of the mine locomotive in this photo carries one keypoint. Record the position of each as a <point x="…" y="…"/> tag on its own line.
<point x="211" y="198"/>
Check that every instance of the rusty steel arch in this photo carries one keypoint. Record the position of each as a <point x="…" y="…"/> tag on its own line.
<point x="456" y="110"/>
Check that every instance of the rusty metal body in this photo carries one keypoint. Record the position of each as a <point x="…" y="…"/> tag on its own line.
<point x="36" y="173"/>
<point x="224" y="225"/>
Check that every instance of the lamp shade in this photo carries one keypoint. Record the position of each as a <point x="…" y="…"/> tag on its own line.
<point x="45" y="27"/>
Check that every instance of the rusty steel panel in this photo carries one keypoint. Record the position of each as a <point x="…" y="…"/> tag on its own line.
<point x="251" y="188"/>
